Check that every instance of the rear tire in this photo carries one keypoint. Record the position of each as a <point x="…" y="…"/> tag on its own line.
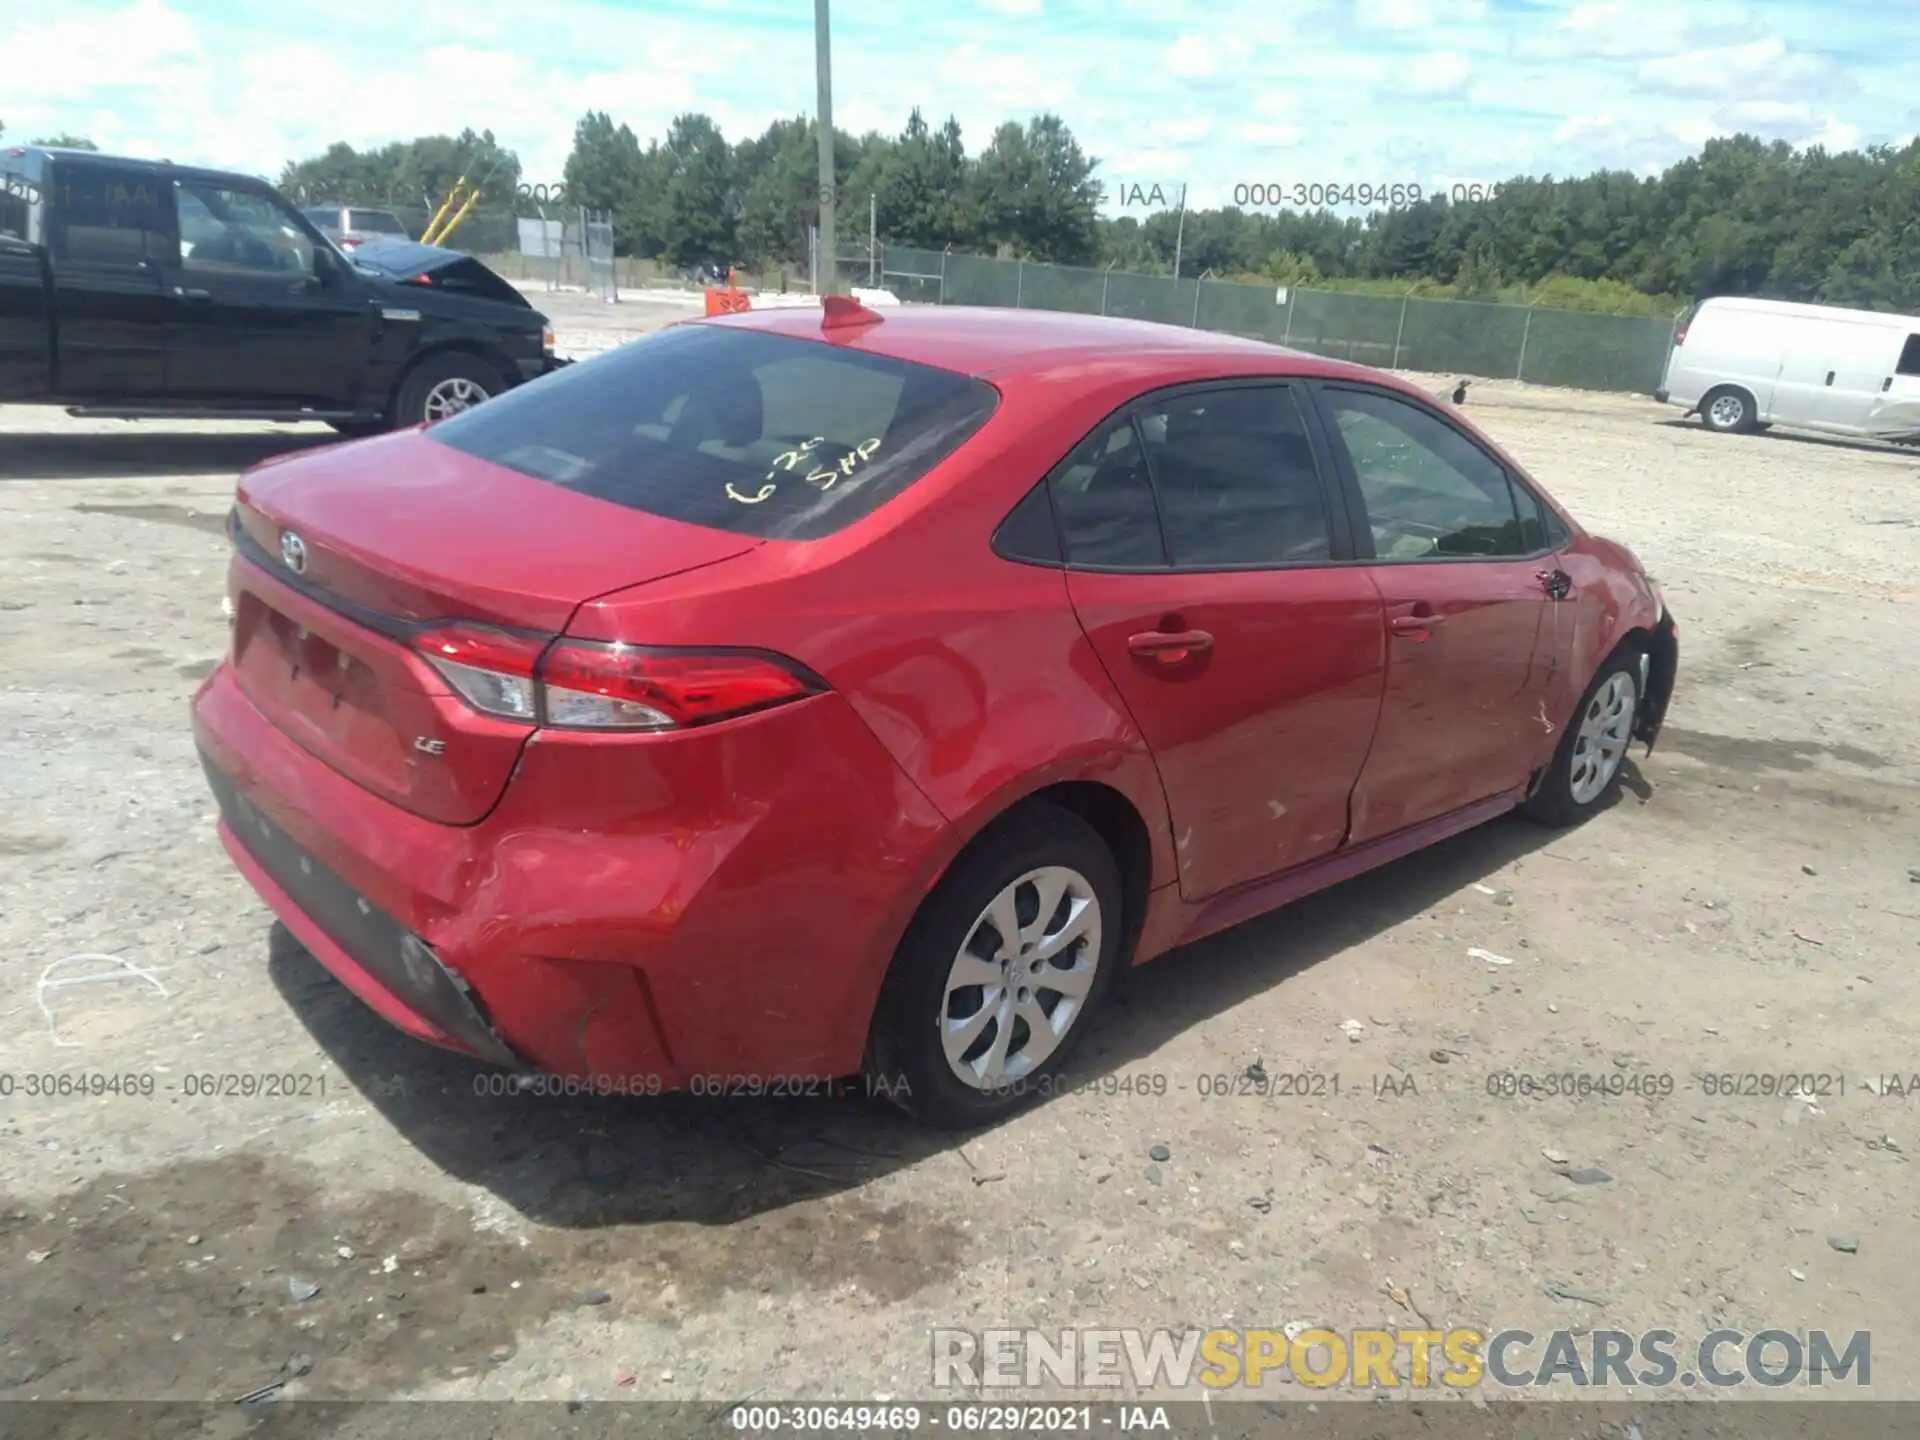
<point x="442" y="385"/>
<point x="1729" y="411"/>
<point x="937" y="1033"/>
<point x="1585" y="769"/>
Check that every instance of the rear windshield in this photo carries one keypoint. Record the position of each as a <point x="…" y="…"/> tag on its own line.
<point x="374" y="222"/>
<point x="764" y="435"/>
<point x="325" y="217"/>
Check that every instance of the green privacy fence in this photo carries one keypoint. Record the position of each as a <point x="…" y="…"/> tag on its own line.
<point x="1573" y="348"/>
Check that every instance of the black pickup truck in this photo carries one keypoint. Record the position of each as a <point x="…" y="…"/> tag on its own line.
<point x="142" y="289"/>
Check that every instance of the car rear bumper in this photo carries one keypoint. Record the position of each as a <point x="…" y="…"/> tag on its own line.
<point x="584" y="928"/>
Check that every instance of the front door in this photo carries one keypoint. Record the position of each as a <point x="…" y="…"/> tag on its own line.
<point x="262" y="323"/>
<point x="1896" y="410"/>
<point x="1467" y="580"/>
<point x="109" y="235"/>
<point x="1202" y="544"/>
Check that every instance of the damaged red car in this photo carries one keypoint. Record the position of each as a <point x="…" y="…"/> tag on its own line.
<point x="807" y="694"/>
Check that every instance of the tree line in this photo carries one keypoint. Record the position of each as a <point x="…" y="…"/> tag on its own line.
<point x="1742" y="217"/>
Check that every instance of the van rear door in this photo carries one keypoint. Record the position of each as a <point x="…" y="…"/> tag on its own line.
<point x="26" y="316"/>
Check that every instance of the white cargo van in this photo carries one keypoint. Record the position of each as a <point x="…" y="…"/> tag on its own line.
<point x="1746" y="364"/>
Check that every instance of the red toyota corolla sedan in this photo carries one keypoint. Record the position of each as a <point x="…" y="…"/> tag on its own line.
<point x="806" y="694"/>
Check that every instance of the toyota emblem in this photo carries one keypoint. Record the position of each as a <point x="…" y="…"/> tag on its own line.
<point x="293" y="550"/>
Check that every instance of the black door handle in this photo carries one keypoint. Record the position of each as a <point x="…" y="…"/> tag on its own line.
<point x="198" y="297"/>
<point x="1829" y="377"/>
<point x="1887" y="384"/>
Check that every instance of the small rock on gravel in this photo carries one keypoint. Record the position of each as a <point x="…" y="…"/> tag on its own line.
<point x="1159" y="1151"/>
<point x="592" y="1297"/>
<point x="1587" y="1175"/>
<point x="301" y="1290"/>
<point x="1845" y="1244"/>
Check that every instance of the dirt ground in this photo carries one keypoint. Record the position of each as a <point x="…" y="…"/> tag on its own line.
<point x="1750" y="905"/>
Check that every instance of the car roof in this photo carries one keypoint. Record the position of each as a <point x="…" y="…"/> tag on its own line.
<point x="1014" y="345"/>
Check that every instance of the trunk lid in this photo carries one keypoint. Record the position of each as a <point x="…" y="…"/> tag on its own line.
<point x="399" y="531"/>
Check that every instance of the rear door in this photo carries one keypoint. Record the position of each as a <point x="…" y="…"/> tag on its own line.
<point x="110" y="231"/>
<point x="1205" y="563"/>
<point x="260" y="323"/>
<point x="1467" y="588"/>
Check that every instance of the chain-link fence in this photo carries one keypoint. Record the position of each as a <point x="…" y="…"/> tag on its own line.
<point x="1574" y="348"/>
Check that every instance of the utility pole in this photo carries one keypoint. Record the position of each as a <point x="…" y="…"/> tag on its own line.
<point x="829" y="277"/>
<point x="1180" y="232"/>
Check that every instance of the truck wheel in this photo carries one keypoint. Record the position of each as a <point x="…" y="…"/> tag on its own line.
<point x="443" y="385"/>
<point x="1729" y="412"/>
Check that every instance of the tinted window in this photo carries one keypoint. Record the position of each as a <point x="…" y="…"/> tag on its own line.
<point x="765" y="435"/>
<point x="1429" y="491"/>
<point x="111" y="216"/>
<point x="1909" y="357"/>
<point x="1236" y="479"/>
<point x="17" y="197"/>
<point x="1533" y="520"/>
<point x="1103" y="498"/>
<point x="241" y="232"/>
<point x="325" y="218"/>
<point x="374" y="222"/>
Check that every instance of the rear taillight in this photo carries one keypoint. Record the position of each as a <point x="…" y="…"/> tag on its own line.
<point x="1680" y="334"/>
<point x="586" y="685"/>
<point x="347" y="242"/>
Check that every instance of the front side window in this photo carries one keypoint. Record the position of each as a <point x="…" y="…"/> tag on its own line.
<point x="238" y="232"/>
<point x="767" y="435"/>
<point x="1430" y="492"/>
<point x="1909" y="357"/>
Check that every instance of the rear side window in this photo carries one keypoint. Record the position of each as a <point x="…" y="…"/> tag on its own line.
<point x="110" y="216"/>
<point x="325" y="218"/>
<point x="19" y="198"/>
<point x="1236" y="479"/>
<point x="1909" y="357"/>
<point x="765" y="435"/>
<point x="1103" y="498"/>
<point x="374" y="222"/>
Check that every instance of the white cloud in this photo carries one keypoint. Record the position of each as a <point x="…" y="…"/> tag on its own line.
<point x="1833" y="134"/>
<point x="1193" y="56"/>
<point x="1013" y="7"/>
<point x="1441" y="72"/>
<point x="1712" y="72"/>
<point x="1271" y="137"/>
<point x="1182" y="129"/>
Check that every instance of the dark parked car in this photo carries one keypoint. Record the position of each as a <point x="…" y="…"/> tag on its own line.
<point x="144" y="290"/>
<point x="877" y="688"/>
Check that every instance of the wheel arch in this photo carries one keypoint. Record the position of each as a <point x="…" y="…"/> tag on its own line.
<point x="1722" y="387"/>
<point x="1109" y="811"/>
<point x="457" y="343"/>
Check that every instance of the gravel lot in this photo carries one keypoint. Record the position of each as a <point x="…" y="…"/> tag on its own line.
<point x="1749" y="906"/>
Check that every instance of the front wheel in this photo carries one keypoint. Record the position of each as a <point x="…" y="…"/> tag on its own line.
<point x="445" y="385"/>
<point x="1585" y="770"/>
<point x="997" y="977"/>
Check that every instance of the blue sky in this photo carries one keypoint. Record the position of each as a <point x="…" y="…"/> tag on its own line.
<point x="1211" y="92"/>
